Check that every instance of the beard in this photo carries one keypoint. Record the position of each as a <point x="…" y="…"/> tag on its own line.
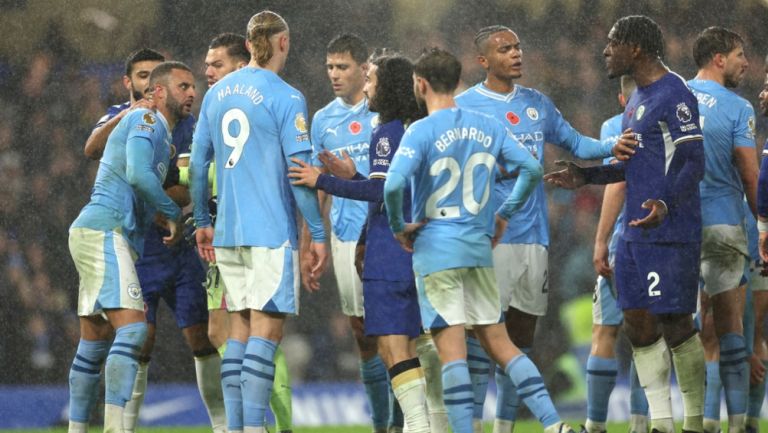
<point x="731" y="81"/>
<point x="137" y="95"/>
<point x="176" y="108"/>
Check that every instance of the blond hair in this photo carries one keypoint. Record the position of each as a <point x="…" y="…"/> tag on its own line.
<point x="261" y="27"/>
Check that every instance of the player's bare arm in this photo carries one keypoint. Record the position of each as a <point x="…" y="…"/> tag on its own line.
<point x="500" y="228"/>
<point x="613" y="202"/>
<point x="343" y="167"/>
<point x="658" y="212"/>
<point x="625" y="145"/>
<point x="763" y="241"/>
<point x="318" y="262"/>
<point x="204" y="239"/>
<point x="304" y="173"/>
<point x="408" y="235"/>
<point x="745" y="160"/>
<point x="97" y="141"/>
<point x="571" y="177"/>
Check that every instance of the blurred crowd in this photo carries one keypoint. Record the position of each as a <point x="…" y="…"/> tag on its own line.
<point x="52" y="95"/>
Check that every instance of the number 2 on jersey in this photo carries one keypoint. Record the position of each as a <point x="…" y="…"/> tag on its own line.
<point x="468" y="188"/>
<point x="654" y="278"/>
<point x="235" y="141"/>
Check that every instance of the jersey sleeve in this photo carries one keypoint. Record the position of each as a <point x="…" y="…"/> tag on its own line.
<point x="682" y="118"/>
<point x="293" y="130"/>
<point x="516" y="157"/>
<point x="608" y="137"/>
<point x="185" y="134"/>
<point x="144" y="134"/>
<point x="316" y="138"/>
<point x="405" y="162"/>
<point x="384" y="146"/>
<point x="144" y="124"/>
<point x="409" y="154"/>
<point x="199" y="161"/>
<point x="762" y="185"/>
<point x="686" y="169"/>
<point x="560" y="133"/>
<point x="744" y="126"/>
<point x="111" y="113"/>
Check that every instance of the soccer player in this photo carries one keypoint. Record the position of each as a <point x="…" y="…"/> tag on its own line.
<point x="138" y="66"/>
<point x="728" y="123"/>
<point x="344" y="127"/>
<point x="174" y="274"/>
<point x="450" y="157"/>
<point x="253" y="122"/>
<point x="760" y="289"/>
<point x="657" y="258"/>
<point x="227" y="53"/>
<point x="757" y="288"/>
<point x="389" y="289"/>
<point x="107" y="236"/>
<point x="534" y="120"/>
<point x="602" y="366"/>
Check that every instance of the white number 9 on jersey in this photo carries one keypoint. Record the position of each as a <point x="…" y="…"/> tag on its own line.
<point x="238" y="141"/>
<point x="468" y="188"/>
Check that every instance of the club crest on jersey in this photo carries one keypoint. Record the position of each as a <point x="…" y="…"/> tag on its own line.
<point x="513" y="118"/>
<point x="134" y="291"/>
<point x="300" y="123"/>
<point x="532" y="113"/>
<point x="683" y="113"/>
<point x="640" y="111"/>
<point x="149" y="118"/>
<point x="375" y="121"/>
<point x="382" y="147"/>
<point x="173" y="151"/>
<point x="355" y="127"/>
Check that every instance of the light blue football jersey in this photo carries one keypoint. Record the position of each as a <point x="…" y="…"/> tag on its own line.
<point x="534" y="120"/>
<point x="251" y="121"/>
<point x="114" y="203"/>
<point x="609" y="134"/>
<point x="727" y="121"/>
<point x="450" y="157"/>
<point x="339" y="127"/>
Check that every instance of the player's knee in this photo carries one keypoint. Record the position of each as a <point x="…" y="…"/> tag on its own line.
<point x="197" y="338"/>
<point x="521" y="327"/>
<point x="677" y="328"/>
<point x="149" y="343"/>
<point x="604" y="340"/>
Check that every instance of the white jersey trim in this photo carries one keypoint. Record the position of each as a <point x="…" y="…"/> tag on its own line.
<point x="481" y="89"/>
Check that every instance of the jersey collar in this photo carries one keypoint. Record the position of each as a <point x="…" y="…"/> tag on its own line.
<point x="357" y="107"/>
<point x="504" y="97"/>
<point x="163" y="119"/>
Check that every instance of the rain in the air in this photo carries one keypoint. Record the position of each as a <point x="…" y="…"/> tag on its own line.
<point x="383" y="216"/>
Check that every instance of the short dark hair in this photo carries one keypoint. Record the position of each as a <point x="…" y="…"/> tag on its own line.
<point x="163" y="70"/>
<point x="141" y="55"/>
<point x="714" y="40"/>
<point x="394" y="98"/>
<point x="235" y="45"/>
<point x="441" y="69"/>
<point x="483" y="34"/>
<point x="349" y="43"/>
<point x="641" y="31"/>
